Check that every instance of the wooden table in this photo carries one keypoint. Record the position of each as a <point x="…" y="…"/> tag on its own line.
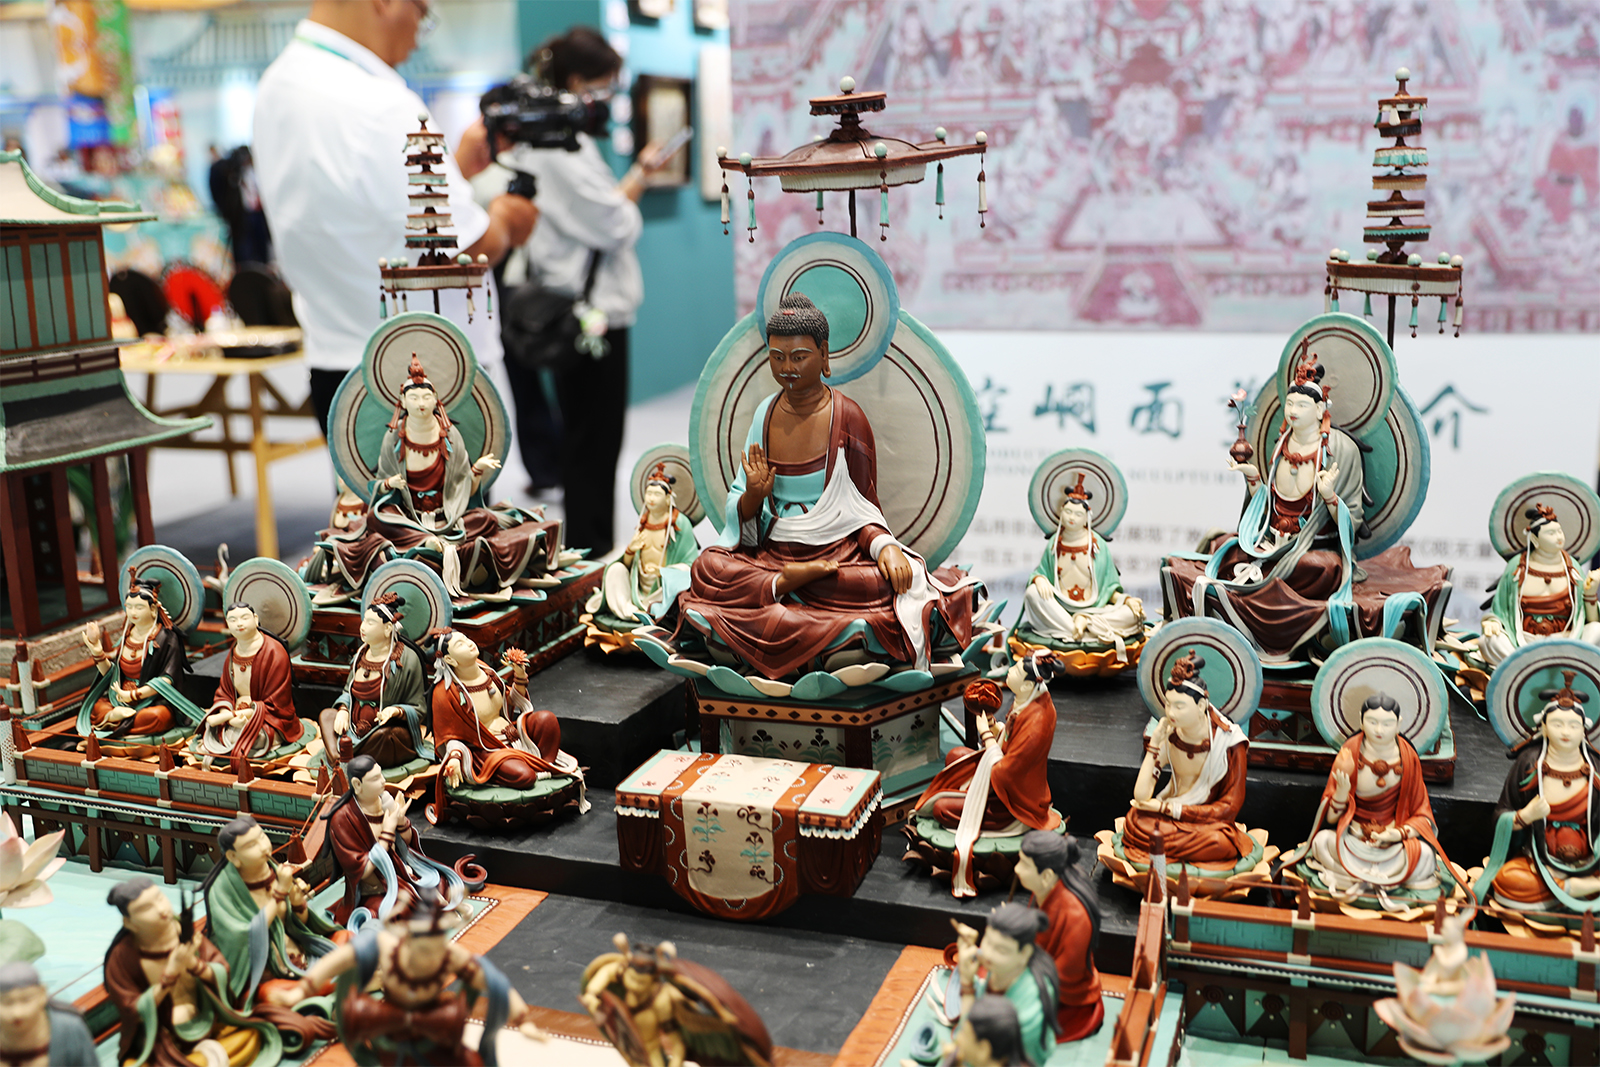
<point x="265" y="400"/>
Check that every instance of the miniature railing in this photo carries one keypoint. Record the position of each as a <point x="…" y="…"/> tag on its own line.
<point x="1134" y="1032"/>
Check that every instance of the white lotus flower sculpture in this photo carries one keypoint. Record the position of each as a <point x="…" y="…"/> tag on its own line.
<point x="1447" y="1013"/>
<point x="24" y="868"/>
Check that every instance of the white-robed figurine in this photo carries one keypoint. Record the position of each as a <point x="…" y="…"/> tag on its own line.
<point x="654" y="568"/>
<point x="1075" y="594"/>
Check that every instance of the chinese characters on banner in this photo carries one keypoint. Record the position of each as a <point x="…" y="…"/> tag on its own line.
<point x="1157" y="405"/>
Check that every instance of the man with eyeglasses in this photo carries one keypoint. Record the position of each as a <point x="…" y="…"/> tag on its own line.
<point x="331" y="119"/>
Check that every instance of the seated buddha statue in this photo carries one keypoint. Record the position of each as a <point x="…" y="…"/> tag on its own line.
<point x="1543" y="593"/>
<point x="1545" y="857"/>
<point x="808" y="564"/>
<point x="420" y="506"/>
<point x="640" y="586"/>
<point x="1196" y="810"/>
<point x="252" y="714"/>
<point x="1375" y="835"/>
<point x="1291" y="573"/>
<point x="383" y="708"/>
<point x="1075" y="594"/>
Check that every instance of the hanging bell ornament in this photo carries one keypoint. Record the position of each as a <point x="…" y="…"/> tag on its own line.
<point x="938" y="189"/>
<point x="983" y="181"/>
<point x="722" y="153"/>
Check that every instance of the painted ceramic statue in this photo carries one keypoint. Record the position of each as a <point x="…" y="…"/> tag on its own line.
<point x="808" y="565"/>
<point x="136" y="703"/>
<point x="987" y="1036"/>
<point x="485" y="731"/>
<point x="659" y="1010"/>
<point x="1047" y="867"/>
<point x="377" y="850"/>
<point x="1374" y="842"/>
<point x="36" y="1031"/>
<point x="170" y="988"/>
<point x="253" y="712"/>
<point x="1291" y="575"/>
<point x="1016" y="968"/>
<point x="429" y="985"/>
<point x="1547" y="822"/>
<point x="383" y="708"/>
<point x="1543" y="593"/>
<point x="421" y="507"/>
<point x="1075" y="595"/>
<point x="1204" y="757"/>
<point x="1001" y="789"/>
<point x="259" y="914"/>
<point x="642" y="585"/>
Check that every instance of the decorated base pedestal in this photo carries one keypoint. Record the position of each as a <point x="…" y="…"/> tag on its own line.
<point x="1083" y="661"/>
<point x="1211" y="881"/>
<point x="546" y="629"/>
<point x="741" y="837"/>
<point x="932" y="848"/>
<point x="895" y="734"/>
<point x="496" y="808"/>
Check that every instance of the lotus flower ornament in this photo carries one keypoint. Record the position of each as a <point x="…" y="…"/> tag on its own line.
<point x="1448" y="1012"/>
<point x="24" y="868"/>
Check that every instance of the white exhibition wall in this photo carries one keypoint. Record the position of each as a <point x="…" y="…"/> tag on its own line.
<point x="1495" y="407"/>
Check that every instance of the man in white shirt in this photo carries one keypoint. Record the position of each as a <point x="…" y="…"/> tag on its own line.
<point x="331" y="119"/>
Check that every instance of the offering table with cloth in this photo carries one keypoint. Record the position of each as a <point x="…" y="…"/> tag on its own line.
<point x="741" y="837"/>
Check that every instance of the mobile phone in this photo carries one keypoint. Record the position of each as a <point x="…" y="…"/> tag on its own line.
<point x="673" y="143"/>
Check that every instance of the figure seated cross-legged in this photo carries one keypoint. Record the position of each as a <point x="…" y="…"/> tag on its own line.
<point x="170" y="988"/>
<point x="1075" y="595"/>
<point x="1001" y="789"/>
<point x="486" y="732"/>
<point x="1545" y="856"/>
<point x="429" y="985"/>
<point x="420" y="504"/>
<point x="1016" y="968"/>
<point x="808" y="564"/>
<point x="259" y="915"/>
<point x="383" y="708"/>
<point x="377" y="850"/>
<point x="1543" y="593"/>
<point x="135" y="704"/>
<point x="1375" y="842"/>
<point x="1291" y="576"/>
<point x="1047" y="867"/>
<point x="654" y="568"/>
<point x="253" y="713"/>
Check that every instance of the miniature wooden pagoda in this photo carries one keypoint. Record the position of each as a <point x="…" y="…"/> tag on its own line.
<point x="1394" y="272"/>
<point x="63" y="403"/>
<point x="427" y="233"/>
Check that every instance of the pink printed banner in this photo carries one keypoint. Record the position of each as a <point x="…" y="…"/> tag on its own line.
<point x="1187" y="164"/>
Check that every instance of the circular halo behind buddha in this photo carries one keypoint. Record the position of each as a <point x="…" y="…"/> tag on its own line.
<point x="280" y="599"/>
<point x="181" y="592"/>
<point x="1519" y="687"/>
<point x="426" y="602"/>
<point x="1232" y="671"/>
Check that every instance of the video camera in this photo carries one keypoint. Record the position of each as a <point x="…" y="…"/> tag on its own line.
<point x="525" y="111"/>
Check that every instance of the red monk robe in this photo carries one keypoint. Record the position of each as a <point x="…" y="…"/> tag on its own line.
<point x="1019" y="786"/>
<point x="1067" y="941"/>
<point x="274" y="721"/>
<point x="486" y="758"/>
<point x="1206" y="833"/>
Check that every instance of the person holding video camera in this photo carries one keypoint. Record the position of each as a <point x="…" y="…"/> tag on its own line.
<point x="331" y="120"/>
<point x="583" y="248"/>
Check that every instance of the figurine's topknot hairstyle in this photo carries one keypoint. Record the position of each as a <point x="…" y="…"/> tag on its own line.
<point x="387" y="606"/>
<point x="797" y="316"/>
<point x="1185" y="677"/>
<point x="1539" y="515"/>
<point x="1308" y="379"/>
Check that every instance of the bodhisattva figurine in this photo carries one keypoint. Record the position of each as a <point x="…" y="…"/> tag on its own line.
<point x="486" y="732"/>
<point x="808" y="564"/>
<point x="1001" y="789"/>
<point x="1291" y="575"/>
<point x="377" y="850"/>
<point x="136" y="700"/>
<point x="639" y="587"/>
<point x="429" y="985"/>
<point x="1196" y="810"/>
<point x="258" y="914"/>
<point x="253" y="713"/>
<point x="1075" y="595"/>
<point x="1544" y="857"/>
<point x="987" y="1036"/>
<point x="383" y="708"/>
<point x="1543" y="593"/>
<point x="659" y="1010"/>
<point x="420" y="504"/>
<point x="1374" y="835"/>
<point x="36" y="1031"/>
<point x="1016" y="968"/>
<point x="170" y="987"/>
<point x="1047" y="867"/>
